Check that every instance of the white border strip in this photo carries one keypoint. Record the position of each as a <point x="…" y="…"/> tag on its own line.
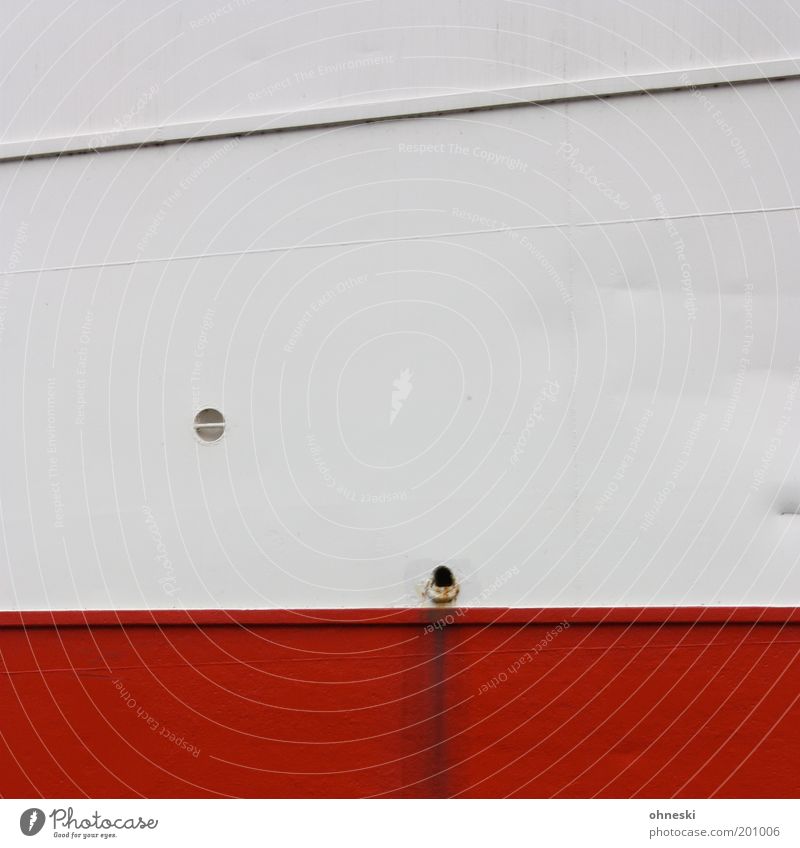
<point x="396" y="109"/>
<point x="473" y="823"/>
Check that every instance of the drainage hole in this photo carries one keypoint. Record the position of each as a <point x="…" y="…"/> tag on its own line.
<point x="443" y="577"/>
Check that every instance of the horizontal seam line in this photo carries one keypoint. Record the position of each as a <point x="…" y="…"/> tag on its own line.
<point x="535" y="94"/>
<point x="449" y="654"/>
<point x="122" y="263"/>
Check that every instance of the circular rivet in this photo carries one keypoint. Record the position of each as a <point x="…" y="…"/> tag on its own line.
<point x="209" y="424"/>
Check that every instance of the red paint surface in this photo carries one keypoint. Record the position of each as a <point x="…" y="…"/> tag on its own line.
<point x="648" y="703"/>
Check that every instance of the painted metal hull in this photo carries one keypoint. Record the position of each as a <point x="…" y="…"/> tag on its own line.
<point x="503" y="288"/>
<point x="620" y="703"/>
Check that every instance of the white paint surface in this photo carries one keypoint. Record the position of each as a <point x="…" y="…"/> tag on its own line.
<point x="92" y="67"/>
<point x="624" y="280"/>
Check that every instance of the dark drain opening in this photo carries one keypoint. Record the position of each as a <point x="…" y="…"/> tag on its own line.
<point x="442" y="586"/>
<point x="443" y="577"/>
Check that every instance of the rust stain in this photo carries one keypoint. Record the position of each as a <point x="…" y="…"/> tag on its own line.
<point x="437" y="705"/>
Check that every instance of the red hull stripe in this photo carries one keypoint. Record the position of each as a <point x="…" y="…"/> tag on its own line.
<point x="405" y="616"/>
<point x="658" y="702"/>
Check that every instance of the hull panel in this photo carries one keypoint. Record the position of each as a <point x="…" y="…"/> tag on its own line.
<point x="452" y="703"/>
